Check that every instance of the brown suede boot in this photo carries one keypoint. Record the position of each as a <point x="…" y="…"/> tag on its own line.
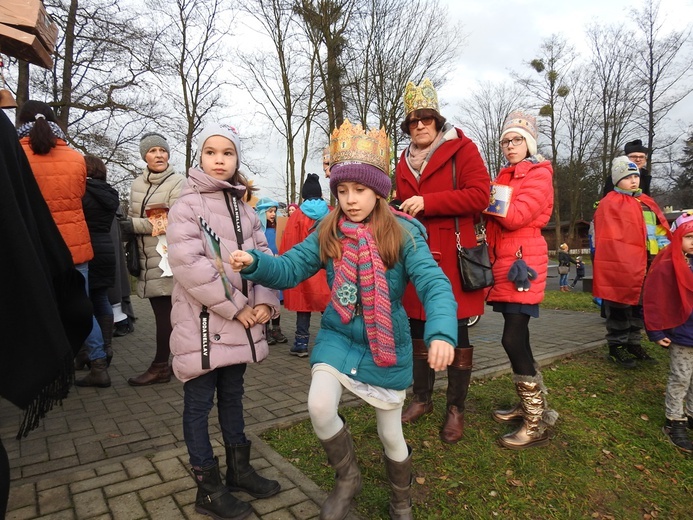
<point x="97" y="376"/>
<point x="155" y="374"/>
<point x="459" y="375"/>
<point x="424" y="378"/>
<point x="399" y="475"/>
<point x="342" y="457"/>
<point x="537" y="416"/>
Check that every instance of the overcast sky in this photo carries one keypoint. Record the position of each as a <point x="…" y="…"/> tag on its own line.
<point x="503" y="35"/>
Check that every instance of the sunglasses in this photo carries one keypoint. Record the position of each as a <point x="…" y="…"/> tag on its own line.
<point x="427" y="121"/>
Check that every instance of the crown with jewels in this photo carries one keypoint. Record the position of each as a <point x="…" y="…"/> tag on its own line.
<point x="351" y="143"/>
<point x="423" y="96"/>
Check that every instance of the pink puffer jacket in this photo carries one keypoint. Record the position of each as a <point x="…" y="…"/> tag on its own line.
<point x="197" y="281"/>
<point x="530" y="209"/>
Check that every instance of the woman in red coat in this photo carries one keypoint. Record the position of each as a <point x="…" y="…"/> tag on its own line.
<point x="441" y="179"/>
<point x="512" y="237"/>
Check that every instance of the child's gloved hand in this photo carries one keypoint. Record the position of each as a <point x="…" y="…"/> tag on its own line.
<point x="521" y="274"/>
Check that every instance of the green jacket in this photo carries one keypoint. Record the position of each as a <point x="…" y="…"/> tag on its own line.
<point x="345" y="346"/>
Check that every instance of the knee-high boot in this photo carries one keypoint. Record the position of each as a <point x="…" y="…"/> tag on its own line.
<point x="342" y="457"/>
<point x="514" y="414"/>
<point x="424" y="378"/>
<point x="106" y="324"/>
<point x="459" y="375"/>
<point x="537" y="417"/>
<point x="399" y="476"/>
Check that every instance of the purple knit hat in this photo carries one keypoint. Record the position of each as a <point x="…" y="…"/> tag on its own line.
<point x="363" y="173"/>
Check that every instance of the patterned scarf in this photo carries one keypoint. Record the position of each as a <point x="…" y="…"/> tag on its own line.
<point x="24" y="130"/>
<point x="361" y="266"/>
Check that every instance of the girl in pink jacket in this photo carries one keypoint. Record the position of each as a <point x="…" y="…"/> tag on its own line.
<point x="218" y="319"/>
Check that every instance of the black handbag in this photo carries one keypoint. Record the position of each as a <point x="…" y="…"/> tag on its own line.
<point x="132" y="256"/>
<point x="474" y="262"/>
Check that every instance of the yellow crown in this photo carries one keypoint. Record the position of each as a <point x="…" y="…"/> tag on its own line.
<point x="423" y="96"/>
<point x="351" y="143"/>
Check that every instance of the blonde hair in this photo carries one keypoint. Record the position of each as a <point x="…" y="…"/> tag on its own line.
<point x="564" y="246"/>
<point x="386" y="231"/>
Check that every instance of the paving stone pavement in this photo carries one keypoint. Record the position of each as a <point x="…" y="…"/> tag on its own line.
<point x="118" y="453"/>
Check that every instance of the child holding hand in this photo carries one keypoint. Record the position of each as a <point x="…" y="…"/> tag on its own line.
<point x="218" y="319"/>
<point x="370" y="252"/>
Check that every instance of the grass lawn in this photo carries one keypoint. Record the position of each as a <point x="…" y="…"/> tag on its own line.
<point x="608" y="460"/>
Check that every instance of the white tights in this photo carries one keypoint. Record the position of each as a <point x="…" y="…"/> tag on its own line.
<point x="323" y="403"/>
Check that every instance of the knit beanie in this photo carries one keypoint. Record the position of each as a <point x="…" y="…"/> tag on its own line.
<point x="525" y="125"/>
<point x="622" y="167"/>
<point x="152" y="140"/>
<point x="311" y="187"/>
<point x="634" y="147"/>
<point x="685" y="218"/>
<point x="223" y="130"/>
<point x="363" y="173"/>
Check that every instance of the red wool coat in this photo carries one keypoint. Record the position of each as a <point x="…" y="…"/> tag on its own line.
<point x="313" y="294"/>
<point x="620" y="242"/>
<point x="531" y="205"/>
<point x="441" y="205"/>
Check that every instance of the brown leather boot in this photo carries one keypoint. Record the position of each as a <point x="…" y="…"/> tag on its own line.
<point x="537" y="417"/>
<point x="155" y="374"/>
<point x="342" y="457"/>
<point x="459" y="375"/>
<point x="424" y="378"/>
<point x="399" y="475"/>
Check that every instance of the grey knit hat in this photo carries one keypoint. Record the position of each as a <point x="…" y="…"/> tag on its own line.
<point x="622" y="167"/>
<point x="152" y="140"/>
<point x="223" y="130"/>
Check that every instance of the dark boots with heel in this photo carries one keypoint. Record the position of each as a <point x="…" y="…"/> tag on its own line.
<point x="342" y="457"/>
<point x="399" y="475"/>
<point x="155" y="374"/>
<point x="106" y="324"/>
<point x="424" y="379"/>
<point x="214" y="499"/>
<point x="459" y="376"/>
<point x="97" y="376"/>
<point x="241" y="476"/>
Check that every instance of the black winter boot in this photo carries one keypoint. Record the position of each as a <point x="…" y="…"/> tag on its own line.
<point x="241" y="476"/>
<point x="213" y="499"/>
<point x="619" y="355"/>
<point x="677" y="435"/>
<point x="424" y="379"/>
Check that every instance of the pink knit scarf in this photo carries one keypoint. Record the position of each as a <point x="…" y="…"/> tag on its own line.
<point x="362" y="268"/>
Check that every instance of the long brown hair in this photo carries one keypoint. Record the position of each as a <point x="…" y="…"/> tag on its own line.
<point x="386" y="231"/>
<point x="240" y="178"/>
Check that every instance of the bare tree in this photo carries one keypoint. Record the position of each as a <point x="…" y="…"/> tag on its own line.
<point x="283" y="82"/>
<point x="190" y="44"/>
<point x="659" y="62"/>
<point x="615" y="87"/>
<point x="97" y="85"/>
<point x="553" y="65"/>
<point x="483" y="115"/>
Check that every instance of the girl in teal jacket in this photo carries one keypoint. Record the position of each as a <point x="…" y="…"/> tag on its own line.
<point x="364" y="345"/>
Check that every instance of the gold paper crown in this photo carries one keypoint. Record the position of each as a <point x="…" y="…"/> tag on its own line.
<point x="423" y="96"/>
<point x="350" y="143"/>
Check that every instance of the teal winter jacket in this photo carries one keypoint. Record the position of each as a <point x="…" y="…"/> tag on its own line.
<point x="344" y="346"/>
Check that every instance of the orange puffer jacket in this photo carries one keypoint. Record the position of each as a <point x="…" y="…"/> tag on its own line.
<point x="530" y="208"/>
<point x="62" y="177"/>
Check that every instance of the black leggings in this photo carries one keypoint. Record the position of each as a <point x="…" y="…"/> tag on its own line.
<point x="516" y="344"/>
<point x="417" y="331"/>
<point x="161" y="305"/>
